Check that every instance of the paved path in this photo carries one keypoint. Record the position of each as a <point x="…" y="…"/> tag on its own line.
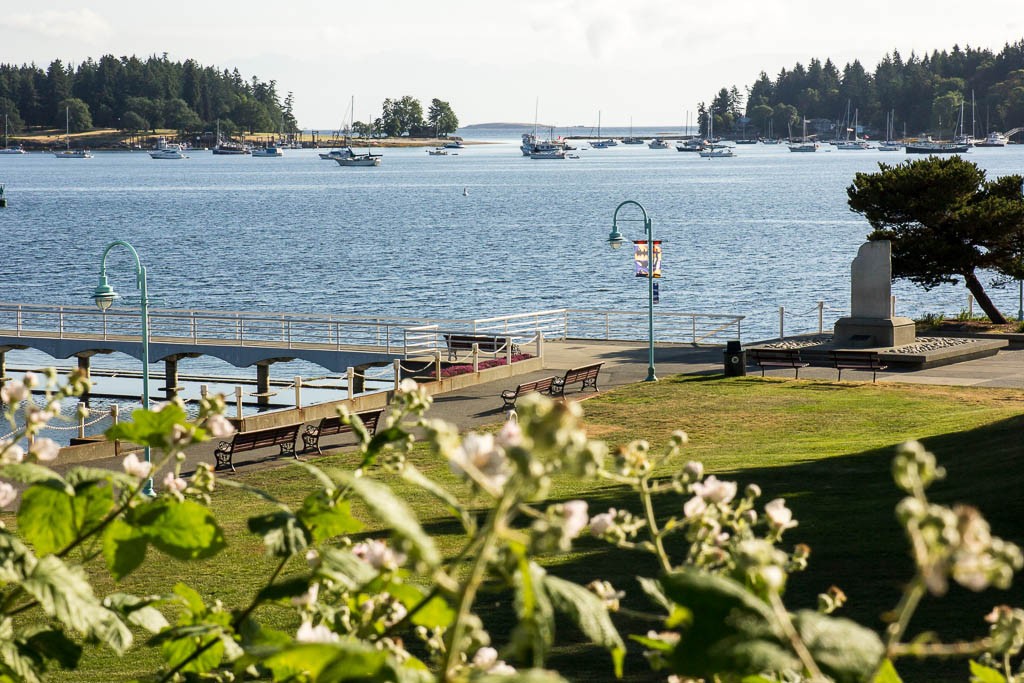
<point x="626" y="363"/>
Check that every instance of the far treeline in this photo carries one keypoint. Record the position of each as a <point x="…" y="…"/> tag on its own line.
<point x="131" y="94"/>
<point x="924" y="93"/>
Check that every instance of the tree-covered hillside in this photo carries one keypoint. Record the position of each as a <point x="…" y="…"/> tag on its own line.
<point x="924" y="93"/>
<point x="129" y="93"/>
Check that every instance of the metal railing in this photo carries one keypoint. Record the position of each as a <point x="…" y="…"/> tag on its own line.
<point x="669" y="326"/>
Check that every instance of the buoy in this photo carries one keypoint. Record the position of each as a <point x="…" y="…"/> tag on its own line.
<point x="465" y="192"/>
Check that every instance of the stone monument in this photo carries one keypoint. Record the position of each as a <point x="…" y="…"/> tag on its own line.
<point x="871" y="322"/>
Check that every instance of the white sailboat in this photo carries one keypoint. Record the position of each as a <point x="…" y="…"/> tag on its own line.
<point x="599" y="143"/>
<point x="804" y="145"/>
<point x="353" y="159"/>
<point x="715" y="151"/>
<point x="890" y="145"/>
<point x="69" y="153"/>
<point x="7" y="149"/>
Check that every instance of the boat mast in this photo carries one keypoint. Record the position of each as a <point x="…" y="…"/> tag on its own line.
<point x="67" y="127"/>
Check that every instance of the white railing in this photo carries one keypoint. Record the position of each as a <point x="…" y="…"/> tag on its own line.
<point x="669" y="326"/>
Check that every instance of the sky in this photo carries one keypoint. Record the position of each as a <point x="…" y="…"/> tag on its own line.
<point x="642" y="61"/>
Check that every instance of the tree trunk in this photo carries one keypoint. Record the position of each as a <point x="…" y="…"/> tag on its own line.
<point x="976" y="288"/>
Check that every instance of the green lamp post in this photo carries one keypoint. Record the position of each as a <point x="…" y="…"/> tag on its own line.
<point x="616" y="240"/>
<point x="104" y="296"/>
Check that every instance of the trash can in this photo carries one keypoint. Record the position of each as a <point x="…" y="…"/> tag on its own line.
<point x="735" y="359"/>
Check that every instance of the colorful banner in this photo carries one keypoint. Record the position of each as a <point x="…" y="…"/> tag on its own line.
<point x="640" y="258"/>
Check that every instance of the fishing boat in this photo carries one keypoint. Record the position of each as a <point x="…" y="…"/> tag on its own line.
<point x="7" y="149"/>
<point x="268" y="151"/>
<point x="548" y="154"/>
<point x="69" y="153"/>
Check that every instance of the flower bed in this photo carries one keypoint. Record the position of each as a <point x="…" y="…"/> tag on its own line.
<point x="453" y="370"/>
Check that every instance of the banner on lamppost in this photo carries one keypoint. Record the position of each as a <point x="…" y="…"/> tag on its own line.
<point x="640" y="258"/>
<point x="657" y="293"/>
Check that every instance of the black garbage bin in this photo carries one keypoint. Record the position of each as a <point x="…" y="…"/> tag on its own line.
<point x="735" y="359"/>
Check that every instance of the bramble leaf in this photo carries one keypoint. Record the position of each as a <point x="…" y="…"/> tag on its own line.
<point x="124" y="548"/>
<point x="183" y="529"/>
<point x="843" y="649"/>
<point x="325" y="518"/>
<point x="589" y="613"/>
<point x="46" y="518"/>
<point x="283" y="534"/>
<point x="984" y="674"/>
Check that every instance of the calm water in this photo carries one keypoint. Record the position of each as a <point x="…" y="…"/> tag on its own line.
<point x="742" y="236"/>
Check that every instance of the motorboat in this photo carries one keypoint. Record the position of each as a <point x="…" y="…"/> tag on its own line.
<point x="268" y="151"/>
<point x="548" y="154"/>
<point x="169" y="151"/>
<point x="854" y="145"/>
<point x="336" y="154"/>
<point x="691" y="145"/>
<point x="930" y="147"/>
<point x="890" y="146"/>
<point x="658" y="143"/>
<point x="993" y="139"/>
<point x="632" y="141"/>
<point x="532" y="145"/>
<point x="717" y="152"/>
<point x="438" y="152"/>
<point x="454" y="144"/>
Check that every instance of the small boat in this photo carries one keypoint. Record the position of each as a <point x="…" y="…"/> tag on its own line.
<point x="691" y="145"/>
<point x="548" y="154"/>
<point x="993" y="139"/>
<point x="890" y="145"/>
<point x="930" y="147"/>
<point x="7" y="149"/>
<point x="353" y="159"/>
<point x="71" y="153"/>
<point x="438" y="152"/>
<point x="599" y="143"/>
<point x="454" y="144"/>
<point x="854" y="145"/>
<point x="169" y="151"/>
<point x="629" y="139"/>
<point x="716" y="153"/>
<point x="336" y="154"/>
<point x="658" y="143"/>
<point x="268" y="151"/>
<point x="804" y="145"/>
<point x="228" y="147"/>
<point x="747" y="142"/>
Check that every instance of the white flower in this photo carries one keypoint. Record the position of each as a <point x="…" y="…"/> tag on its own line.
<point x="308" y="633"/>
<point x="773" y="576"/>
<point x="602" y="523"/>
<point x="779" y="516"/>
<point x="502" y="669"/>
<point x="135" y="467"/>
<point x="480" y="451"/>
<point x="396" y="613"/>
<point x="378" y="555"/>
<point x="13" y="392"/>
<point x="54" y="407"/>
<point x="36" y="416"/>
<point x="31" y="380"/>
<point x="173" y="483"/>
<point x="7" y="494"/>
<point x="694" y="507"/>
<point x="714" y="491"/>
<point x="45" y="449"/>
<point x="511" y="434"/>
<point x="307" y="598"/>
<point x="408" y="386"/>
<point x="575" y="512"/>
<point x="11" y="452"/>
<point x="694" y="470"/>
<point x="219" y="426"/>
<point x="485" y="658"/>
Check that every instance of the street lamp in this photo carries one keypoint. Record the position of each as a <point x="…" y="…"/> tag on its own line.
<point x="104" y="296"/>
<point x="615" y="241"/>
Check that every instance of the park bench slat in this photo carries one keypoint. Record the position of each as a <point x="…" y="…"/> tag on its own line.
<point x="509" y="396"/>
<point x="586" y="376"/>
<point x="777" y="358"/>
<point x="329" y="426"/>
<point x="284" y="437"/>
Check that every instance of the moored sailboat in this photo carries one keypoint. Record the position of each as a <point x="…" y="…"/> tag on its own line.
<point x="69" y="153"/>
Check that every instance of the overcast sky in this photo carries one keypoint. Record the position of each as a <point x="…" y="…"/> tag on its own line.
<point x="649" y="60"/>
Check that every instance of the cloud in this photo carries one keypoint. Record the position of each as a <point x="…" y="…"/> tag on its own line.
<point x="80" y="24"/>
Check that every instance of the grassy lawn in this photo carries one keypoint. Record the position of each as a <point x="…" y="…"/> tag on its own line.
<point x="824" y="446"/>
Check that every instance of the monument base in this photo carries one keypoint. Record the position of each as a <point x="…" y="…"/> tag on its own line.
<point x="873" y="332"/>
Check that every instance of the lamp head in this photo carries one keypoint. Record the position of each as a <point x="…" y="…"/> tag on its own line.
<point x="104" y="294"/>
<point x="615" y="238"/>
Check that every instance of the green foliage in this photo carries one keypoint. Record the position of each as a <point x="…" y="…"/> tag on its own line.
<point x="442" y="118"/>
<point x="985" y="674"/>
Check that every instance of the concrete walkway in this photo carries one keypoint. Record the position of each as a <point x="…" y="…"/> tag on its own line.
<point x="626" y="363"/>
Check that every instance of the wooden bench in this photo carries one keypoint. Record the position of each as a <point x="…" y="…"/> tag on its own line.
<point x="333" y="425"/>
<point x="586" y="375"/>
<point x="250" y="441"/>
<point x="777" y="358"/>
<point x="509" y="396"/>
<point x="856" y="360"/>
<point x="484" y="342"/>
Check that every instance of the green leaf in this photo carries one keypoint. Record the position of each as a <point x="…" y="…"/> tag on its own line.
<point x="64" y="593"/>
<point x="345" y="569"/>
<point x="283" y="534"/>
<point x="392" y="510"/>
<point x="652" y="589"/>
<point x="191" y="598"/>
<point x="76" y="476"/>
<point x="731" y="632"/>
<point x="181" y="649"/>
<point x="589" y="613"/>
<point x="887" y="673"/>
<point x="325" y="518"/>
<point x="984" y="674"/>
<point x="843" y="649"/>
<point x="149" y="428"/>
<point x="414" y="476"/>
<point x="138" y="611"/>
<point x="31" y="473"/>
<point x="183" y="529"/>
<point x="93" y="502"/>
<point x="46" y="518"/>
<point x="355" y="661"/>
<point x="306" y="658"/>
<point x="54" y="645"/>
<point x="436" y="613"/>
<point x="124" y="548"/>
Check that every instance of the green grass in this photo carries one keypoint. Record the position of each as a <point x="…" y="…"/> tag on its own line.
<point x="825" y="446"/>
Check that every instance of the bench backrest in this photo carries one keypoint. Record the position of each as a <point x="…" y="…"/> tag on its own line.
<point x="536" y="385"/>
<point x="584" y="373"/>
<point x="783" y="355"/>
<point x="334" y="425"/>
<point x="866" y="357"/>
<point x="274" y="436"/>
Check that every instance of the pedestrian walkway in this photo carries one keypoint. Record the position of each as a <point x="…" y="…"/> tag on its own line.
<point x="626" y="363"/>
